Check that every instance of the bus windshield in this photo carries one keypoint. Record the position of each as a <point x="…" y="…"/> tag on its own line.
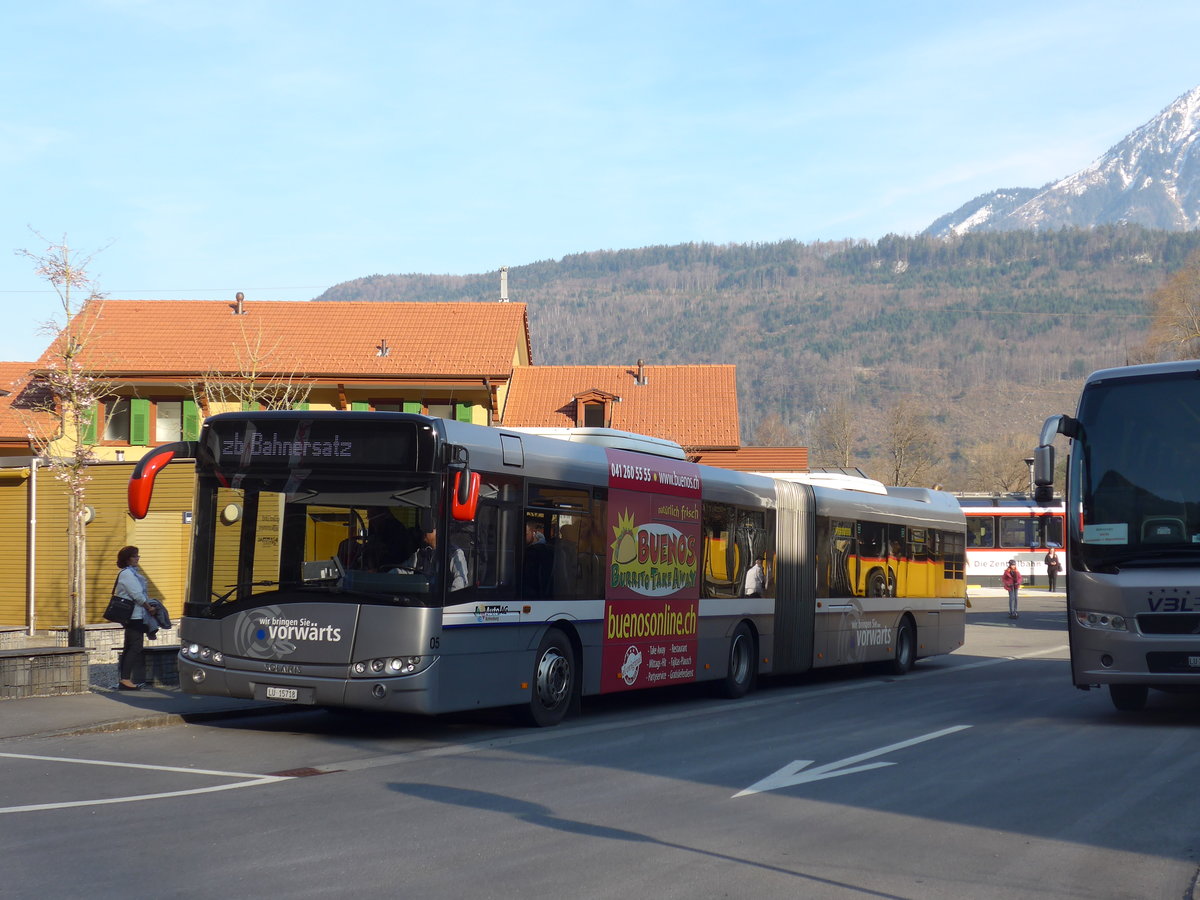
<point x="348" y="540"/>
<point x="1136" y="475"/>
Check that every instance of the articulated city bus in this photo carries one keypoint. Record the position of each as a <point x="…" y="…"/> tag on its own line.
<point x="1133" y="529"/>
<point x="1000" y="528"/>
<point x="394" y="561"/>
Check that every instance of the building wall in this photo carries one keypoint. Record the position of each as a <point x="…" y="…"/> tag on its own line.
<point x="164" y="538"/>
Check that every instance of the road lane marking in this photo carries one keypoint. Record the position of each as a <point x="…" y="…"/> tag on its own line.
<point x="251" y="780"/>
<point x="798" y="772"/>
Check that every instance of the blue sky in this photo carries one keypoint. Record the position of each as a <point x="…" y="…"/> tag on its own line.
<point x="282" y="146"/>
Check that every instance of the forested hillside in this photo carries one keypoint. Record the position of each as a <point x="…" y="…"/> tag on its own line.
<point x="979" y="336"/>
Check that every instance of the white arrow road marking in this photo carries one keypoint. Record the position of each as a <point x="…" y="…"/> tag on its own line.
<point x="794" y="773"/>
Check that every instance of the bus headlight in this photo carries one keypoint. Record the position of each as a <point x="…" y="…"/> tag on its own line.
<point x="202" y="654"/>
<point x="1100" y="621"/>
<point x="393" y="665"/>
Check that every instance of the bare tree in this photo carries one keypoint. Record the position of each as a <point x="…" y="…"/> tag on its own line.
<point x="999" y="466"/>
<point x="774" y="432"/>
<point x="908" y="439"/>
<point x="259" y="380"/>
<point x="68" y="402"/>
<point x="1175" y="332"/>
<point x="838" y="434"/>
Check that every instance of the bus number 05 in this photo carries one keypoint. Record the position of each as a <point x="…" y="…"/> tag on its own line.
<point x="434" y="643"/>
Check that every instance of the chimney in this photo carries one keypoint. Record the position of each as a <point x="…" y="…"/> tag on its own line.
<point x="640" y="377"/>
<point x="238" y="309"/>
<point x="504" y="284"/>
<point x="383" y="349"/>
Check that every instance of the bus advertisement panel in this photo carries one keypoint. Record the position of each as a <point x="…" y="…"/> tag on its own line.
<point x="653" y="590"/>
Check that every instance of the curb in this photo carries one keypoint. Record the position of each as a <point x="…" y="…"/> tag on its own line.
<point x="156" y="720"/>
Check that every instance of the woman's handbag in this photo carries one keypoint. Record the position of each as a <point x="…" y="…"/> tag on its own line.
<point x="119" y="610"/>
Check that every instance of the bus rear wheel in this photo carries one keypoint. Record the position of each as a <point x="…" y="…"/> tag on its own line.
<point x="1128" y="697"/>
<point x="553" y="684"/>
<point x="739" y="677"/>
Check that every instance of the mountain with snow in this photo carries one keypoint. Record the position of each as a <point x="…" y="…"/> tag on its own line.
<point x="1150" y="178"/>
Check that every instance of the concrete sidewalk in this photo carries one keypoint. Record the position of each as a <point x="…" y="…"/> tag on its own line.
<point x="103" y="709"/>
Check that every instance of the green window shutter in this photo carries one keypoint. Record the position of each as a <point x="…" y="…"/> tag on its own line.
<point x="139" y="422"/>
<point x="191" y="420"/>
<point x="89" y="425"/>
<point x="303" y="404"/>
<point x="413" y="406"/>
<point x="360" y="405"/>
<point x="249" y="406"/>
<point x="463" y="411"/>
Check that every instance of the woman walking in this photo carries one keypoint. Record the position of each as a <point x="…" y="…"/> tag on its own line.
<point x="131" y="584"/>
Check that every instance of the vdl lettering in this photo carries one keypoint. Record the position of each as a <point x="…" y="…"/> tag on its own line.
<point x="1171" y="604"/>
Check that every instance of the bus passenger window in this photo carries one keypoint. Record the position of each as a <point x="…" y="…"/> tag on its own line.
<point x="981" y="532"/>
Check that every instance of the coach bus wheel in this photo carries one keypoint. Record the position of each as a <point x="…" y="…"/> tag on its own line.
<point x="740" y="676"/>
<point x="877" y="584"/>
<point x="553" y="680"/>
<point x="1128" y="697"/>
<point x="906" y="648"/>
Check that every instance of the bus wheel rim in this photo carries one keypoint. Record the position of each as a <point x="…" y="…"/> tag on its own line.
<point x="552" y="678"/>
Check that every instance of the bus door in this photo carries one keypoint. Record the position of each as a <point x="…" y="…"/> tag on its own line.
<point x="898" y="581"/>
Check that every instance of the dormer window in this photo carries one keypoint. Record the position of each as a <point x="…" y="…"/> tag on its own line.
<point x="594" y="409"/>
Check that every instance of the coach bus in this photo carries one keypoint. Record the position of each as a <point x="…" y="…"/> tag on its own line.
<point x="394" y="561"/>
<point x="1012" y="526"/>
<point x="1133" y="529"/>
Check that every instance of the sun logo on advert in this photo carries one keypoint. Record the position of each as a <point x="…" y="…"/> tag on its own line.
<point x="632" y="665"/>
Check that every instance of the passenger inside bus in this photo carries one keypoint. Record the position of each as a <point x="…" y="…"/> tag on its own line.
<point x="539" y="561"/>
<point x="426" y="562"/>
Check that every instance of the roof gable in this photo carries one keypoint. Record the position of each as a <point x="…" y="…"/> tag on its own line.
<point x="330" y="338"/>
<point x="695" y="406"/>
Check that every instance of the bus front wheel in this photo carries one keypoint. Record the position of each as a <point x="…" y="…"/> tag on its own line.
<point x="879" y="583"/>
<point x="739" y="678"/>
<point x="553" y="684"/>
<point x="1128" y="697"/>
<point x="906" y="648"/>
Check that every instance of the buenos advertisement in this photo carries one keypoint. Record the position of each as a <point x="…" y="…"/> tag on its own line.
<point x="653" y="586"/>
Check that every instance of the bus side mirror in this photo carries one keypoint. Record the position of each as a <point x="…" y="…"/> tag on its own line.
<point x="1043" y="455"/>
<point x="465" y="500"/>
<point x="141" y="480"/>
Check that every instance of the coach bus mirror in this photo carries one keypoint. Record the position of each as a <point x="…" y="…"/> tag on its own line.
<point x="1043" y="465"/>
<point x="466" y="495"/>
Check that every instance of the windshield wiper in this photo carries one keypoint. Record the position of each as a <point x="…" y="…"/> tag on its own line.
<point x="233" y="589"/>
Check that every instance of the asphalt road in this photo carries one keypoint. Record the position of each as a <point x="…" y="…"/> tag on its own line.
<point x="980" y="774"/>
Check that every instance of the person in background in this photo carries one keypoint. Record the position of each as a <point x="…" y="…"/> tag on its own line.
<point x="1011" y="579"/>
<point x="756" y="577"/>
<point x="131" y="584"/>
<point x="1053" y="567"/>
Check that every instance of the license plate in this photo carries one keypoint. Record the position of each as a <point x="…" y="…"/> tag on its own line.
<point x="1194" y="662"/>
<point x="282" y="693"/>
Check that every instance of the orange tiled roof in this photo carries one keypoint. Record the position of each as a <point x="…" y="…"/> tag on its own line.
<point x="15" y="423"/>
<point x="758" y="459"/>
<point x="328" y="338"/>
<point x="696" y="406"/>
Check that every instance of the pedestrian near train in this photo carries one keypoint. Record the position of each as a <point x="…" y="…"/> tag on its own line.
<point x="1053" y="567"/>
<point x="1011" y="579"/>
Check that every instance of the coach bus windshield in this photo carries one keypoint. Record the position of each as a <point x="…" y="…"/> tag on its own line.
<point x="362" y="540"/>
<point x="1136" y="487"/>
